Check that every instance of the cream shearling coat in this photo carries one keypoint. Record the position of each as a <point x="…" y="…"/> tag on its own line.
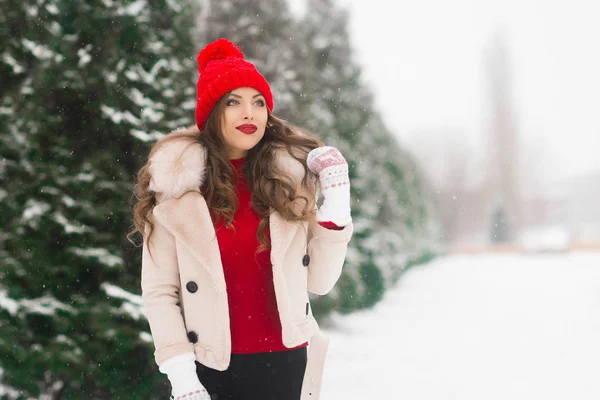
<point x="185" y="249"/>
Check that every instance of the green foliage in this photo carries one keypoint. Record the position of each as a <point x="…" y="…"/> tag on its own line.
<point x="85" y="87"/>
<point x="394" y="221"/>
<point x="374" y="283"/>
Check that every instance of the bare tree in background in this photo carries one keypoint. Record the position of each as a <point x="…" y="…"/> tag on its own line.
<point x="479" y="202"/>
<point x="502" y="186"/>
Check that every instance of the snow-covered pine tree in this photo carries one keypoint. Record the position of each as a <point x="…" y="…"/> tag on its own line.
<point x="84" y="86"/>
<point x="393" y="218"/>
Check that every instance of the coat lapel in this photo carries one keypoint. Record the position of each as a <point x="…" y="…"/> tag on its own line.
<point x="188" y="219"/>
<point x="282" y="234"/>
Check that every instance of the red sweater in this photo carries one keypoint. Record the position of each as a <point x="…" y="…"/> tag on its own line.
<point x="253" y="314"/>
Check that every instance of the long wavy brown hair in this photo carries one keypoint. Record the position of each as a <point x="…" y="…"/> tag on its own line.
<point x="271" y="187"/>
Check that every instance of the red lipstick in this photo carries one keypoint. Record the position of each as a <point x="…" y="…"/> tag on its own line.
<point x="248" y="129"/>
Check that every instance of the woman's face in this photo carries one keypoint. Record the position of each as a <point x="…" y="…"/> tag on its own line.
<point x="244" y="121"/>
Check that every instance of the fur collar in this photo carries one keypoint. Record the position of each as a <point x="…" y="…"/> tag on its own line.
<point x="180" y="166"/>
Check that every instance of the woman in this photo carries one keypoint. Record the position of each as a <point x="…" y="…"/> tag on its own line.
<point x="233" y="240"/>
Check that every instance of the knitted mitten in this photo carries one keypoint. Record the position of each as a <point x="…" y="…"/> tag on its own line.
<point x="329" y="164"/>
<point x="181" y="371"/>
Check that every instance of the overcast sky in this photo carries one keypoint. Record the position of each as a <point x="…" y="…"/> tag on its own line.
<point x="424" y="60"/>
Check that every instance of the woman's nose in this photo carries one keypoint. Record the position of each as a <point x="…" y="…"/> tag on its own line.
<point x="248" y="111"/>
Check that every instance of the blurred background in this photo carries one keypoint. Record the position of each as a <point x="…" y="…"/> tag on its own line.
<point x="498" y="103"/>
<point x="469" y="127"/>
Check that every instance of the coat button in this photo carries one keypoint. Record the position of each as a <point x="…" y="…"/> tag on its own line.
<point x="306" y="260"/>
<point x="192" y="337"/>
<point x="192" y="287"/>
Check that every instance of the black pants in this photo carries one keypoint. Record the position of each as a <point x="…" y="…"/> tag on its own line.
<point x="258" y="376"/>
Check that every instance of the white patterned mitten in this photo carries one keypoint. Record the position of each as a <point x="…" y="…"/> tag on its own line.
<point x="330" y="165"/>
<point x="181" y="371"/>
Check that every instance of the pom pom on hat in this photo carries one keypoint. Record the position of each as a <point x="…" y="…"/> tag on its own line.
<point x="222" y="68"/>
<point x="217" y="50"/>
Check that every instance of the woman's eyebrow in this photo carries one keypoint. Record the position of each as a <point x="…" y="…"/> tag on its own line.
<point x="237" y="95"/>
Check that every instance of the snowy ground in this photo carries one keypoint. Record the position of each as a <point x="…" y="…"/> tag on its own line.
<point x="482" y="327"/>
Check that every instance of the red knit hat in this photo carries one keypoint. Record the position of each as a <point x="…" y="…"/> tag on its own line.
<point x="222" y="68"/>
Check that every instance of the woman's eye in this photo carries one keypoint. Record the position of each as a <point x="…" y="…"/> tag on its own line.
<point x="231" y="102"/>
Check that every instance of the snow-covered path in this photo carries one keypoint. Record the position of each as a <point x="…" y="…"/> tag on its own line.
<point x="482" y="327"/>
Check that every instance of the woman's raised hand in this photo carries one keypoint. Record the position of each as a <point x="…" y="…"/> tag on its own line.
<point x="332" y="169"/>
